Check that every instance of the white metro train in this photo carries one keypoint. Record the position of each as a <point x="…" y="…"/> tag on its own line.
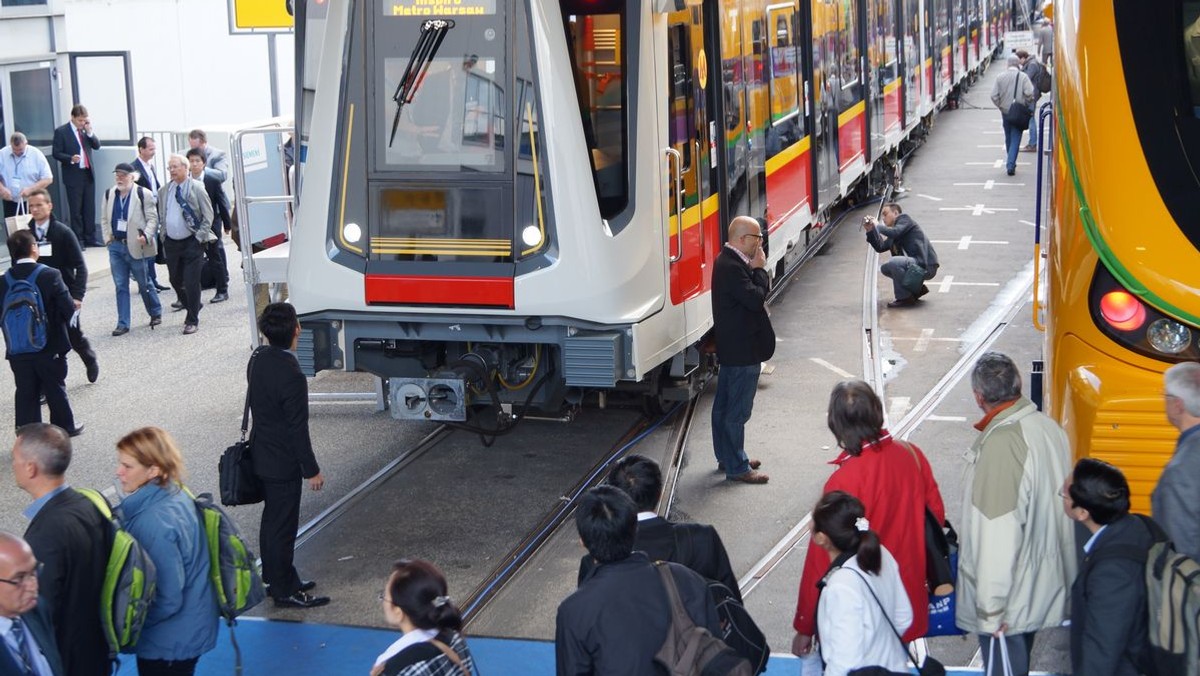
<point x="510" y="203"/>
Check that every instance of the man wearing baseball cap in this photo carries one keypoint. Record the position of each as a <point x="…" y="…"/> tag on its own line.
<point x="129" y="221"/>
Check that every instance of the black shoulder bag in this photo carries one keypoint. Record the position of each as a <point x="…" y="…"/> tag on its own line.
<point x="1018" y="114"/>
<point x="930" y="667"/>
<point x="239" y="484"/>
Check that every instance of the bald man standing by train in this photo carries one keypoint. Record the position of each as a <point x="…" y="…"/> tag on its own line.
<point x="745" y="339"/>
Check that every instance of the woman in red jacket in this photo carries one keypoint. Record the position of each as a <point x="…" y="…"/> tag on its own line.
<point x="893" y="480"/>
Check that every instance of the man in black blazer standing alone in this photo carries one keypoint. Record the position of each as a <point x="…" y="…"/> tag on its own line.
<point x="70" y="539"/>
<point x="282" y="451"/>
<point x="745" y="339"/>
<point x="73" y="146"/>
<point x="59" y="249"/>
<point x="44" y="371"/>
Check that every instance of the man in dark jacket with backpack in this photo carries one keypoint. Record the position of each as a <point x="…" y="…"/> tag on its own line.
<point x="620" y="617"/>
<point x="68" y="536"/>
<point x="37" y="370"/>
<point x="1108" y="598"/>
<point x="1040" y="77"/>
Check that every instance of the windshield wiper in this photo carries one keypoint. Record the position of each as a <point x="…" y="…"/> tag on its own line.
<point x="432" y="34"/>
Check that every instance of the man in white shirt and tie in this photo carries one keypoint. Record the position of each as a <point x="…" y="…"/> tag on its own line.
<point x="148" y="179"/>
<point x="29" y="646"/>
<point x="73" y="146"/>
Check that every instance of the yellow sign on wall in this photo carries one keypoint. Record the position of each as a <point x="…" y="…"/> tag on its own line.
<point x="261" y="15"/>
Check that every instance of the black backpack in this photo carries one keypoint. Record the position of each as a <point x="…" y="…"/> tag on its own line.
<point x="738" y="630"/>
<point x="691" y="650"/>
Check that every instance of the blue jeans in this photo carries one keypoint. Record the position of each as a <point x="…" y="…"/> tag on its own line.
<point x="736" y="386"/>
<point x="1012" y="144"/>
<point x="123" y="265"/>
<point x="1033" y="124"/>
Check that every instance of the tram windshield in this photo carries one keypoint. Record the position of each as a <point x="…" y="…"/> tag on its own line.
<point x="441" y="99"/>
<point x="1191" y="49"/>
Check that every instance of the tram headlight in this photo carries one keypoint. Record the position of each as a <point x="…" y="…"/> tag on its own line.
<point x="352" y="232"/>
<point x="531" y="235"/>
<point x="1168" y="336"/>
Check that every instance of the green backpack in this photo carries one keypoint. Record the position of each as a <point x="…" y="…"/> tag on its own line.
<point x="129" y="582"/>
<point x="233" y="568"/>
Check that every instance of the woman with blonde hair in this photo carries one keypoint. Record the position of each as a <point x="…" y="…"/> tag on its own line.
<point x="181" y="624"/>
<point x="416" y="601"/>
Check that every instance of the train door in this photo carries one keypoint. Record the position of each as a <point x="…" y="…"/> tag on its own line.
<point x="691" y="210"/>
<point x="822" y="73"/>
<point x="909" y="25"/>
<point x="745" y="106"/>
<point x="883" y="84"/>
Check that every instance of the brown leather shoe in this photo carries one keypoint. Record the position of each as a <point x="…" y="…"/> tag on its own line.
<point x="751" y="477"/>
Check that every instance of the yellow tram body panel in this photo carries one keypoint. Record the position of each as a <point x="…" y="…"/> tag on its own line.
<point x="1106" y="208"/>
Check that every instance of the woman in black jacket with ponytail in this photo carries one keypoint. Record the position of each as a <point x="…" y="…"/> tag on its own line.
<point x="416" y="601"/>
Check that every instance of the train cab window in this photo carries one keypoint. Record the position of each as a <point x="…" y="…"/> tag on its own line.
<point x="1191" y="50"/>
<point x="442" y="82"/>
<point x="595" y="37"/>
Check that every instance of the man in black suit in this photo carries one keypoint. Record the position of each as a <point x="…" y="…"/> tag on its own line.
<point x="70" y="539"/>
<point x="214" y="251"/>
<point x="745" y="339"/>
<point x="1109" y="630"/>
<point x="45" y="371"/>
<point x="618" y="619"/>
<point x="147" y="177"/>
<point x="694" y="545"/>
<point x="73" y="146"/>
<point x="282" y="451"/>
<point x="59" y="249"/>
<point x="29" y="648"/>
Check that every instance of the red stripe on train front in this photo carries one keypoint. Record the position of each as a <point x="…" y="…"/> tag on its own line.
<point x="428" y="290"/>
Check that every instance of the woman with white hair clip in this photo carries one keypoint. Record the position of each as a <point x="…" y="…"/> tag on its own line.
<point x="416" y="601"/>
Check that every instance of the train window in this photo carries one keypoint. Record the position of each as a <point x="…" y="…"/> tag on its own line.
<point x="1191" y="49"/>
<point x="442" y="103"/>
<point x="596" y="38"/>
<point x="682" y="122"/>
<point x="787" y="125"/>
<point x="847" y="85"/>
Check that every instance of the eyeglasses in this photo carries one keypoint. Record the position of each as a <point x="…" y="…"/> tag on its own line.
<point x="384" y="599"/>
<point x="750" y="234"/>
<point x="22" y="579"/>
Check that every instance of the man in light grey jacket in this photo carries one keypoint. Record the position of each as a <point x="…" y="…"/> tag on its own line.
<point x="129" y="226"/>
<point x="1012" y="85"/>
<point x="1017" y="556"/>
<point x="1175" y="500"/>
<point x="185" y="214"/>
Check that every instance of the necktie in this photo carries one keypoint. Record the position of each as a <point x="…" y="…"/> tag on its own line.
<point x="189" y="216"/>
<point x="18" y="632"/>
<point x="83" y="158"/>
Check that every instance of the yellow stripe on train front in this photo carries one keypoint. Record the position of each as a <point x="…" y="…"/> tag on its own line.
<point x="852" y="112"/>
<point x="780" y="160"/>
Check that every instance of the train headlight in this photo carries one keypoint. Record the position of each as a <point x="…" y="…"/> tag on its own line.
<point x="1122" y="310"/>
<point x="1168" y="336"/>
<point x="531" y="235"/>
<point x="352" y="232"/>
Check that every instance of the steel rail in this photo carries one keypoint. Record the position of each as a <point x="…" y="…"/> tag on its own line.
<point x="516" y="559"/>
<point x="337" y="509"/>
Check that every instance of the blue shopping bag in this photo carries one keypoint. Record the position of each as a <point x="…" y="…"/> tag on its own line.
<point x="941" y="608"/>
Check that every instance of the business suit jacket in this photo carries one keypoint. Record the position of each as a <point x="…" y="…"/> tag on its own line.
<point x="144" y="172"/>
<point x="65" y="256"/>
<point x="197" y="199"/>
<point x="216" y="163"/>
<point x="694" y="545"/>
<point x="66" y="146"/>
<point x="58" y="305"/>
<point x="37" y="621"/>
<point x="279" y="441"/>
<point x="142" y="217"/>
<point x="71" y="539"/>
<point x="1108" y="603"/>
<point x="220" y="202"/>
<point x="743" y="328"/>
<point x="619" y="617"/>
<point x="1174" y="499"/>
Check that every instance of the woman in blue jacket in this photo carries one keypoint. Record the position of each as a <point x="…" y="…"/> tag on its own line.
<point x="182" y="621"/>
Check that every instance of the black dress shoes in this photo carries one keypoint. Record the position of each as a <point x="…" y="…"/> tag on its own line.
<point x="301" y="600"/>
<point x="924" y="290"/>
<point x="93" y="369"/>
<point x="120" y="330"/>
<point x="903" y="302"/>
<point x="160" y="287"/>
<point x="176" y="306"/>
<point x="307" y="585"/>
<point x="220" y="298"/>
<point x="77" y="431"/>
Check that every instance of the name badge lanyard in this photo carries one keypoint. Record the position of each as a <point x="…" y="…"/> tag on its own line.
<point x="122" y="215"/>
